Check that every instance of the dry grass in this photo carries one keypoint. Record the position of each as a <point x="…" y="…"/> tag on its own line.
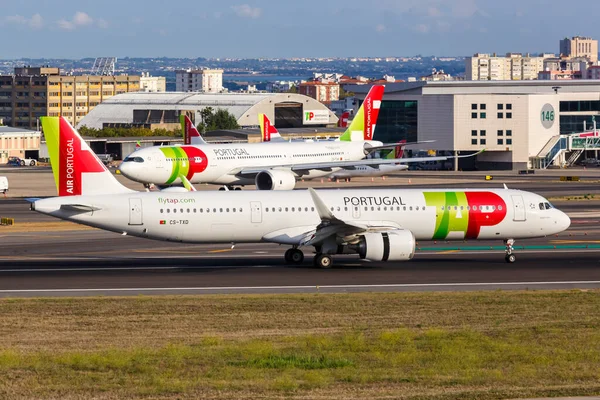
<point x="422" y="345"/>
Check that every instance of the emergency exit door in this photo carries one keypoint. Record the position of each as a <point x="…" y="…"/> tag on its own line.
<point x="256" y="212"/>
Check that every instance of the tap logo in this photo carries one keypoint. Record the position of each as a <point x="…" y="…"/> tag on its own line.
<point x="185" y="160"/>
<point x="465" y="212"/>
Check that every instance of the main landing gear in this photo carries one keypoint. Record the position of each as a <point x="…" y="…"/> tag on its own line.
<point x="509" y="257"/>
<point x="229" y="187"/>
<point x="296" y="256"/>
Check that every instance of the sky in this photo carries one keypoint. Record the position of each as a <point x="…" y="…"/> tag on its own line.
<point x="281" y="28"/>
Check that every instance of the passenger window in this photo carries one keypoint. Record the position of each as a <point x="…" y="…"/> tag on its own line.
<point x="181" y="210"/>
<point x="474" y="208"/>
<point x="174" y="210"/>
<point x="442" y="208"/>
<point x="241" y="210"/>
<point x="306" y="209"/>
<point x="500" y="208"/>
<point x="188" y="210"/>
<point x="272" y="209"/>
<point x="410" y="208"/>
<point x="194" y="211"/>
<point x="168" y="210"/>
<point x="266" y="209"/>
<point x="312" y="209"/>
<point x="227" y="209"/>
<point x="161" y="210"/>
<point x="201" y="210"/>
<point x="286" y="209"/>
<point x="208" y="210"/>
<point x="214" y="210"/>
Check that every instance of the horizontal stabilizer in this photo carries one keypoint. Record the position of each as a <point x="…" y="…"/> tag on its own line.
<point x="78" y="208"/>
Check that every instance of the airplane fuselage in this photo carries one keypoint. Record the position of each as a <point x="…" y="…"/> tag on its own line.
<point x="286" y="217"/>
<point x="223" y="164"/>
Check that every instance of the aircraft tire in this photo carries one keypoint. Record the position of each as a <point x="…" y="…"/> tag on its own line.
<point x="323" y="261"/>
<point x="510" y="258"/>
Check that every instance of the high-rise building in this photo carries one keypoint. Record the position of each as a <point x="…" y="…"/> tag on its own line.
<point x="35" y="92"/>
<point x="199" y="80"/>
<point x="579" y="46"/>
<point x="512" y="67"/>
<point x="324" y="92"/>
<point x="152" y="84"/>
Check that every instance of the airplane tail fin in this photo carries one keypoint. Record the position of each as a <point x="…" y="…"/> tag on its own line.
<point x="363" y="124"/>
<point x="190" y="133"/>
<point x="268" y="132"/>
<point x="343" y="121"/>
<point x="398" y="151"/>
<point x="77" y="170"/>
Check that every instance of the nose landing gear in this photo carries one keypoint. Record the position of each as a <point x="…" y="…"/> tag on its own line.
<point x="509" y="257"/>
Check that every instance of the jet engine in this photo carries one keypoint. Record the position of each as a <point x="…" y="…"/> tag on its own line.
<point x="396" y="245"/>
<point x="274" y="179"/>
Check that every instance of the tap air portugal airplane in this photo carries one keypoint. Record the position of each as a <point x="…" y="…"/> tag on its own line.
<point x="380" y="225"/>
<point x="270" y="134"/>
<point x="270" y="166"/>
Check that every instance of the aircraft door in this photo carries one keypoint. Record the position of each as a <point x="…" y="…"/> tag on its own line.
<point x="256" y="211"/>
<point x="135" y="212"/>
<point x="519" y="208"/>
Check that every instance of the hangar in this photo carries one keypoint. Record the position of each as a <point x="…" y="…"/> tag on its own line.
<point x="519" y="123"/>
<point x="162" y="110"/>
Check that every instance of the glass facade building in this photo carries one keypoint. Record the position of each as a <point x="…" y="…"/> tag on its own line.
<point x="574" y="123"/>
<point x="398" y="120"/>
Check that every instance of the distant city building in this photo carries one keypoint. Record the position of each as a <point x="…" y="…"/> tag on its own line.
<point x="559" y="75"/>
<point x="512" y="67"/>
<point x="349" y="104"/>
<point x="579" y="46"/>
<point x="199" y="80"/>
<point x="323" y="92"/>
<point x="437" y="76"/>
<point x="33" y="92"/>
<point x="332" y="77"/>
<point x="152" y="84"/>
<point x="281" y="86"/>
<point x="15" y="142"/>
<point x="593" y="72"/>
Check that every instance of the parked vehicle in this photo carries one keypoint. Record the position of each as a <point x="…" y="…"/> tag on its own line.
<point x="21" y="162"/>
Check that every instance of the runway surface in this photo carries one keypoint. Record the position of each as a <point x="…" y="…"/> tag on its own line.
<point x="82" y="262"/>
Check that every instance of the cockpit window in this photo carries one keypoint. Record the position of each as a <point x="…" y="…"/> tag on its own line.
<point x="542" y="206"/>
<point x="548" y="206"/>
<point x="134" y="159"/>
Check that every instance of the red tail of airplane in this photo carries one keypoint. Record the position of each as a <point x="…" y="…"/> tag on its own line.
<point x="190" y="133"/>
<point x="343" y="121"/>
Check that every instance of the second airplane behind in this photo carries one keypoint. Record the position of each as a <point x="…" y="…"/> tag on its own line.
<point x="270" y="166"/>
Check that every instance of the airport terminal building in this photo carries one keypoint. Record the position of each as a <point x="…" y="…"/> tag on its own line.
<point x="162" y="110"/>
<point x="515" y="121"/>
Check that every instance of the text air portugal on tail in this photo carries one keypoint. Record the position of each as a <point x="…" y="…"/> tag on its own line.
<point x="78" y="170"/>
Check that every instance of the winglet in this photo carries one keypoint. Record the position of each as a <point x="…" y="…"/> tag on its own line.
<point x="324" y="212"/>
<point x="505" y="187"/>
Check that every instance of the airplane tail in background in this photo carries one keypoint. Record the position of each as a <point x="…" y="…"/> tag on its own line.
<point x="77" y="170"/>
<point x="363" y="124"/>
<point x="190" y="133"/>
<point x="343" y="121"/>
<point x="268" y="132"/>
<point x="398" y="151"/>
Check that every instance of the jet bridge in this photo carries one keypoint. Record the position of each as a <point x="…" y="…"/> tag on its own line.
<point x="565" y="150"/>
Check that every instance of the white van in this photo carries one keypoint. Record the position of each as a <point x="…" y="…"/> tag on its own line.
<point x="3" y="184"/>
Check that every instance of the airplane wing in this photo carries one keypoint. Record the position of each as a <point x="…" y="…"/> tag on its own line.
<point x="302" y="169"/>
<point x="393" y="145"/>
<point x="332" y="226"/>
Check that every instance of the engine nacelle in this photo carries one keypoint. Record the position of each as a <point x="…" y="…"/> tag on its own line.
<point x="398" y="245"/>
<point x="175" y="189"/>
<point x="274" y="179"/>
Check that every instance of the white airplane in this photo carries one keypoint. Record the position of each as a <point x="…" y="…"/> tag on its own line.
<point x="270" y="166"/>
<point x="379" y="225"/>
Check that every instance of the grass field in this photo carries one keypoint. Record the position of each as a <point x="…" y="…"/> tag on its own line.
<point x="347" y="346"/>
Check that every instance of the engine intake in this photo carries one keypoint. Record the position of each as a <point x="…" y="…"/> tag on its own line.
<point x="274" y="179"/>
<point x="398" y="245"/>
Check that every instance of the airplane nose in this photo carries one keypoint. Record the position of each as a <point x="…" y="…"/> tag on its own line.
<point x="564" y="222"/>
